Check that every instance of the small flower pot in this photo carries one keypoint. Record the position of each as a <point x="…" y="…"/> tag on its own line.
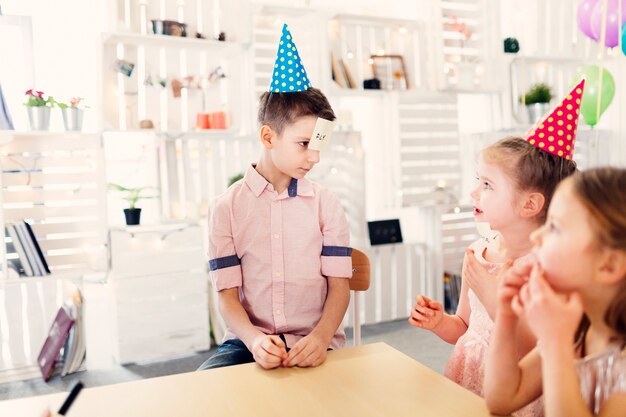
<point x="73" y="119"/>
<point x="39" y="117"/>
<point x="132" y="216"/>
<point x="536" y="111"/>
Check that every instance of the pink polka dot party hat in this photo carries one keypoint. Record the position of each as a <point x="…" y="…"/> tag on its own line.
<point x="556" y="132"/>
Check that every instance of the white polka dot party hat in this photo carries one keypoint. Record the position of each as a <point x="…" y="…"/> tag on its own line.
<point x="288" y="74"/>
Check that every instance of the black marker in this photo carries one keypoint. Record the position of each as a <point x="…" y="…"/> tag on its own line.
<point x="70" y="398"/>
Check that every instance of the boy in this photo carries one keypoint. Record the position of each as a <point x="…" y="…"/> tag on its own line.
<point x="278" y="243"/>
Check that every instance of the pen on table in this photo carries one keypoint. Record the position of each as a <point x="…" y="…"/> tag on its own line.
<point x="70" y="398"/>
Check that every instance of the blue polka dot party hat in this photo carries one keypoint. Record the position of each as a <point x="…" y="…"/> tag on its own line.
<point x="289" y="74"/>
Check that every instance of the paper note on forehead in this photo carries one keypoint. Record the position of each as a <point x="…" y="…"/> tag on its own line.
<point x="321" y="134"/>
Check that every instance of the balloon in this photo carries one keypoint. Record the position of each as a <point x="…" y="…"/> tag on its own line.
<point x="589" y="102"/>
<point x="624" y="39"/>
<point x="583" y="17"/>
<point x="613" y="22"/>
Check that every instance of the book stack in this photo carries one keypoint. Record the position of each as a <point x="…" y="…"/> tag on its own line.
<point x="64" y="349"/>
<point x="451" y="291"/>
<point x="31" y="261"/>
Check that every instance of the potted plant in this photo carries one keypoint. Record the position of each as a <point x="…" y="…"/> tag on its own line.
<point x="73" y="114"/>
<point x="38" y="108"/>
<point x="537" y="101"/>
<point x="132" y="195"/>
<point x="235" y="178"/>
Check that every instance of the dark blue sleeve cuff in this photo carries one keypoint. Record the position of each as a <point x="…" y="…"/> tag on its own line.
<point x="336" y="251"/>
<point x="225" y="262"/>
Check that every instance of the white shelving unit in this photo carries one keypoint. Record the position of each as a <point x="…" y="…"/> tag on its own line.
<point x="160" y="291"/>
<point x="160" y="61"/>
<point x="55" y="181"/>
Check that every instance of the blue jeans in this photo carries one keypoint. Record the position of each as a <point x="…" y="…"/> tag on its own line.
<point x="231" y="352"/>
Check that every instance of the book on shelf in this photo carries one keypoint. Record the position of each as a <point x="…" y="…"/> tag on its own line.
<point x="337" y="71"/>
<point x="20" y="250"/>
<point x="31" y="258"/>
<point x="74" y="350"/>
<point x="40" y="256"/>
<point x="59" y="331"/>
<point x="64" y="350"/>
<point x="347" y="74"/>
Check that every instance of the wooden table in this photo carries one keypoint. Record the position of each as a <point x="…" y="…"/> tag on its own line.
<point x="368" y="380"/>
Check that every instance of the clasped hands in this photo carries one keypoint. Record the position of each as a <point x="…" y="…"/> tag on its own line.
<point x="270" y="352"/>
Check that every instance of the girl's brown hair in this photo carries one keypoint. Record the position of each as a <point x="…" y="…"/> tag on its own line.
<point x="279" y="110"/>
<point x="603" y="193"/>
<point x="531" y="168"/>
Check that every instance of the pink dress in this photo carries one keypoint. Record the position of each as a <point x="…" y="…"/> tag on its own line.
<point x="601" y="376"/>
<point x="466" y="365"/>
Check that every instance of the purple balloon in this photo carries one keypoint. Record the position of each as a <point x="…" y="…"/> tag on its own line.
<point x="583" y="17"/>
<point x="613" y="22"/>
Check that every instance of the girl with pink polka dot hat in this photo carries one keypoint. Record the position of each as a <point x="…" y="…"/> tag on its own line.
<point x="516" y="180"/>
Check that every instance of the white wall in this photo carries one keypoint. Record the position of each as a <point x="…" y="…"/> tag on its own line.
<point x="66" y="41"/>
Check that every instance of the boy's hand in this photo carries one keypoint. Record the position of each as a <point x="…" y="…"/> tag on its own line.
<point x="426" y="313"/>
<point x="310" y="351"/>
<point x="268" y="351"/>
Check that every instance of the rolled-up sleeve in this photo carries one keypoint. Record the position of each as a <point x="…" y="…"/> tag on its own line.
<point x="336" y="251"/>
<point x="224" y="264"/>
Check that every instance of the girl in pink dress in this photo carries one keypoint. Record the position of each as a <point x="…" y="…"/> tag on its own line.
<point x="574" y="301"/>
<point x="516" y="183"/>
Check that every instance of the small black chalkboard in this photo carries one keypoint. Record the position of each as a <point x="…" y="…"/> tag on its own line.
<point x="384" y="231"/>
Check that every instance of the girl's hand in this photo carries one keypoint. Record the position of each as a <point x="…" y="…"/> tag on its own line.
<point x="480" y="280"/>
<point x="426" y="313"/>
<point x="511" y="280"/>
<point x="551" y="316"/>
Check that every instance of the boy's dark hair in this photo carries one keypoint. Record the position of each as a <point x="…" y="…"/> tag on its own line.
<point x="279" y="110"/>
<point x="532" y="168"/>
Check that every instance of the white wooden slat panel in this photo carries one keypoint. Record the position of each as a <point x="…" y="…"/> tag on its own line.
<point x="41" y="179"/>
<point x="402" y="276"/>
<point x="154" y="253"/>
<point x="385" y="281"/>
<point x="398" y="274"/>
<point x="424" y="167"/>
<point x="94" y="259"/>
<point x="52" y="142"/>
<point x="149" y="286"/>
<point x="56" y="178"/>
<point x="197" y="300"/>
<point x="428" y="140"/>
<point x="458" y="232"/>
<point x="40" y="196"/>
<point x="203" y="174"/>
<point x="81" y="209"/>
<point x="70" y="243"/>
<point x="64" y="163"/>
<point x="29" y="307"/>
<point x="74" y="226"/>
<point x="166" y="320"/>
<point x="172" y="344"/>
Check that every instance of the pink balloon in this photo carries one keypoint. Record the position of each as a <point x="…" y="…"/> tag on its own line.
<point x="583" y="17"/>
<point x="613" y="22"/>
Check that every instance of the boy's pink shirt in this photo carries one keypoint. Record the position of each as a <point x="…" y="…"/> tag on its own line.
<point x="278" y="240"/>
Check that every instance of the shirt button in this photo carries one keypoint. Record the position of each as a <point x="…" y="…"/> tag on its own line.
<point x="277" y="274"/>
<point x="276" y="235"/>
<point x="277" y="311"/>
